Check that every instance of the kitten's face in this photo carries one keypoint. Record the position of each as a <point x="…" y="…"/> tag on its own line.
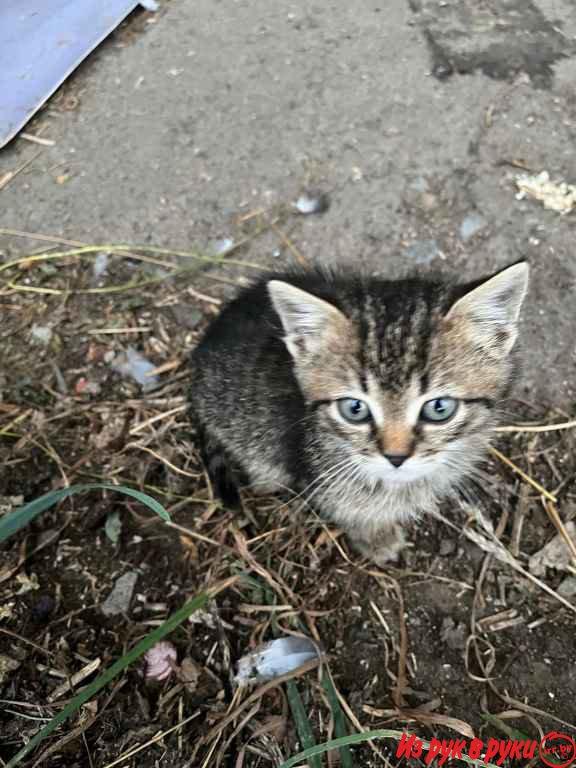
<point x="406" y="391"/>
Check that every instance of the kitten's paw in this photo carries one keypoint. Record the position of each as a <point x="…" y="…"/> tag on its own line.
<point x="219" y="470"/>
<point x="385" y="548"/>
<point x="265" y="489"/>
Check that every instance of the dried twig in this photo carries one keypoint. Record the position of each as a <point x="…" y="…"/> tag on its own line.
<point x="509" y="463"/>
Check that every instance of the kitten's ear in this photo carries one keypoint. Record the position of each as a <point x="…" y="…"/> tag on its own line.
<point x="491" y="310"/>
<point x="307" y="320"/>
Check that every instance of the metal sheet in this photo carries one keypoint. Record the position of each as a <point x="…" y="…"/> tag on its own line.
<point x="41" y="43"/>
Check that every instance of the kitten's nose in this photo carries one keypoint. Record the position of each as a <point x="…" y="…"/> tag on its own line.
<point x="396" y="459"/>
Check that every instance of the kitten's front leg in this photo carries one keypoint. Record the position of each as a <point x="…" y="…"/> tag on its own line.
<point x="383" y="548"/>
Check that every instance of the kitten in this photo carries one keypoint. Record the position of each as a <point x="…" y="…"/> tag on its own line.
<point x="374" y="399"/>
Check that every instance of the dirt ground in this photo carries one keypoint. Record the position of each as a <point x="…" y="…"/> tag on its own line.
<point x="423" y="179"/>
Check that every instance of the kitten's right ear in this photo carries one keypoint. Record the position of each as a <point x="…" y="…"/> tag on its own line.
<point x="491" y="310"/>
<point x="307" y="320"/>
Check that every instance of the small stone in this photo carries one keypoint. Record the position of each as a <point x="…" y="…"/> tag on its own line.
<point x="454" y="635"/>
<point x="567" y="588"/>
<point x="442" y="69"/>
<point x="186" y="316"/>
<point x="555" y="554"/>
<point x="7" y="665"/>
<point x="41" y="334"/>
<point x="447" y="547"/>
<point x="423" y="251"/>
<point x="189" y="674"/>
<point x="428" y="201"/>
<point x="118" y="601"/>
<point x="471" y="225"/>
<point x="42" y="609"/>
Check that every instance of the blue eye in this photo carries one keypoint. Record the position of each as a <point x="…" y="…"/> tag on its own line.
<point x="439" y="410"/>
<point x="354" y="411"/>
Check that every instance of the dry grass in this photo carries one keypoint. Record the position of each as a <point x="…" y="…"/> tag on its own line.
<point x="377" y="628"/>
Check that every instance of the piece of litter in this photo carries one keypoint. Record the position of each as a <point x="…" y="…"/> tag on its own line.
<point x="160" y="661"/>
<point x="423" y="251"/>
<point x="556" y="196"/>
<point x="41" y="43"/>
<point x="209" y="618"/>
<point x="203" y="617"/>
<point x="9" y="503"/>
<point x="312" y="202"/>
<point x="556" y="554"/>
<point x="113" y="527"/>
<point x="189" y="674"/>
<point x="471" y="225"/>
<point x="27" y="583"/>
<point x="132" y="364"/>
<point x="274" y="659"/>
<point x="6" y="611"/>
<point x="42" y="334"/>
<point x="118" y="601"/>
<point x="500" y="621"/>
<point x="100" y="265"/>
<point x="222" y="246"/>
<point x="150" y="5"/>
<point x="7" y="665"/>
<point x="37" y="139"/>
<point x="356" y="173"/>
<point x="85" y="387"/>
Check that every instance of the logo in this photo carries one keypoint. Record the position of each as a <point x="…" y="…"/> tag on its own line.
<point x="558" y="750"/>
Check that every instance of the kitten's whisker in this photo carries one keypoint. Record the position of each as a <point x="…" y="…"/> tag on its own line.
<point x="316" y="480"/>
<point x="326" y="478"/>
<point x="345" y="479"/>
<point x="294" y="424"/>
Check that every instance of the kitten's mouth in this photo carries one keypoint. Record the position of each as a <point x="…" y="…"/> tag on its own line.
<point x="411" y="471"/>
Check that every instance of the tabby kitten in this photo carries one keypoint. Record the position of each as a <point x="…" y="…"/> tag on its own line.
<point x="372" y="398"/>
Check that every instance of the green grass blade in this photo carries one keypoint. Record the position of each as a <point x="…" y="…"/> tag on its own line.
<point x="360" y="738"/>
<point x="15" y="521"/>
<point x="512" y="733"/>
<point x="338" y="717"/>
<point x="302" y="722"/>
<point x="129" y="658"/>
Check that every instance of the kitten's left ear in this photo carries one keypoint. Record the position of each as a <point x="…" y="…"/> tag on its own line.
<point x="308" y="322"/>
<point x="491" y="311"/>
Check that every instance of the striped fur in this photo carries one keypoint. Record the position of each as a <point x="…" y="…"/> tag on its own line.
<point x="270" y="369"/>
